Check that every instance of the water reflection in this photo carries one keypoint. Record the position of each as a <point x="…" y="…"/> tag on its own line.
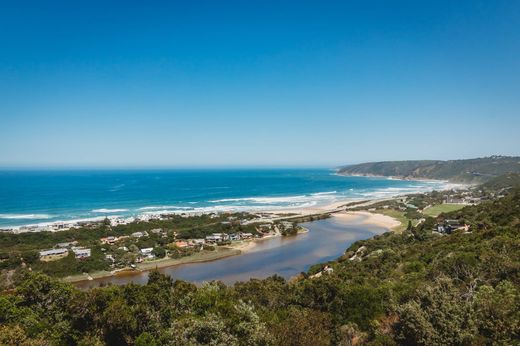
<point x="285" y="256"/>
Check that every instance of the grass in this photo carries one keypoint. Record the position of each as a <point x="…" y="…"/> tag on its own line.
<point x="399" y="216"/>
<point x="436" y="210"/>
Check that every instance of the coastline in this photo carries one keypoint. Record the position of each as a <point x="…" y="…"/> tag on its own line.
<point x="311" y="203"/>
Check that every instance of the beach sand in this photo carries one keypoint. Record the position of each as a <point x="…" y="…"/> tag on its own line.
<point x="364" y="217"/>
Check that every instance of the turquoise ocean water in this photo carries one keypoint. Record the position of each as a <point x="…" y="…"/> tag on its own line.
<point x="34" y="197"/>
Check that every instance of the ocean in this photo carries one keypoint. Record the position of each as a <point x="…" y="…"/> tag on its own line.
<point x="30" y="197"/>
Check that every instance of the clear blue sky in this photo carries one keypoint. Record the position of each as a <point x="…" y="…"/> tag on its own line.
<point x="247" y="83"/>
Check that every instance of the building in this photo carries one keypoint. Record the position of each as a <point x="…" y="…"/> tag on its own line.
<point x="198" y="241"/>
<point x="138" y="234"/>
<point x="287" y="224"/>
<point x="47" y="255"/>
<point x="234" y="237"/>
<point x="147" y="252"/>
<point x="217" y="238"/>
<point x="213" y="239"/>
<point x="451" y="225"/>
<point x="67" y="245"/>
<point x="108" y="240"/>
<point x="81" y="253"/>
<point x="181" y="244"/>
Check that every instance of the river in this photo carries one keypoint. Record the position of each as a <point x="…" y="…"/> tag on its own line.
<point x="286" y="256"/>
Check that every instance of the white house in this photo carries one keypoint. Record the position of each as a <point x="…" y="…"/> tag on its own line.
<point x="53" y="252"/>
<point x="81" y="252"/>
<point x="147" y="252"/>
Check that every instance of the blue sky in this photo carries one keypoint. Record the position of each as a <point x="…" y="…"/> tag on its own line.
<point x="246" y="83"/>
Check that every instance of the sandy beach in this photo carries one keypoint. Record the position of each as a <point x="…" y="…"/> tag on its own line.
<point x="364" y="217"/>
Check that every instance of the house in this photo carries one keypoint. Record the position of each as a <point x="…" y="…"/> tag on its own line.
<point x="61" y="226"/>
<point x="109" y="257"/>
<point x="47" y="255"/>
<point x="234" y="237"/>
<point x="198" y="241"/>
<point x="156" y="231"/>
<point x="108" y="240"/>
<point x="81" y="253"/>
<point x="181" y="244"/>
<point x="451" y="225"/>
<point x="66" y="245"/>
<point x="265" y="227"/>
<point x="147" y="252"/>
<point x="246" y="235"/>
<point x="213" y="239"/>
<point x="224" y="236"/>
<point x="287" y="224"/>
<point x="217" y="238"/>
<point x="138" y="234"/>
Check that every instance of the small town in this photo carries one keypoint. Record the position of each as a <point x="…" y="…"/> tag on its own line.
<point x="121" y="249"/>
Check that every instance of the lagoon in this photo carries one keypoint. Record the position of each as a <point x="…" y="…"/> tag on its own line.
<point x="285" y="256"/>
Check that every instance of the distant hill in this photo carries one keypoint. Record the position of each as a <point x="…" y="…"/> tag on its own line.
<point x="503" y="182"/>
<point x="463" y="171"/>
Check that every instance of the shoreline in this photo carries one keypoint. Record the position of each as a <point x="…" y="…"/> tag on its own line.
<point x="303" y="211"/>
<point x="219" y="253"/>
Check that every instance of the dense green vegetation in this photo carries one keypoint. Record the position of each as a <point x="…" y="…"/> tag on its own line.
<point x="415" y="288"/>
<point x="501" y="183"/>
<point x="467" y="171"/>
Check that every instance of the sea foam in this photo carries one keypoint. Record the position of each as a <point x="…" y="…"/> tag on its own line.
<point x="25" y="216"/>
<point x="109" y="211"/>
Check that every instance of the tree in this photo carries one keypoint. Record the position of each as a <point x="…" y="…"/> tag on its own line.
<point x="440" y="316"/>
<point x="159" y="252"/>
<point x="498" y="313"/>
<point x="145" y="339"/>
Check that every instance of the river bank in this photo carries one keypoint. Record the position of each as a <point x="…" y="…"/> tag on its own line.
<point x="320" y="241"/>
<point x="235" y="249"/>
<point x="203" y="256"/>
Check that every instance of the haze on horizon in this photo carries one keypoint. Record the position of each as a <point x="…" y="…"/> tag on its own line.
<point x="177" y="84"/>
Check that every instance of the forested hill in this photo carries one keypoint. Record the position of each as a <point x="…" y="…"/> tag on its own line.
<point x="462" y="171"/>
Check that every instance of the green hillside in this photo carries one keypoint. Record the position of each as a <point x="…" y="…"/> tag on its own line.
<point x="503" y="182"/>
<point x="462" y="171"/>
